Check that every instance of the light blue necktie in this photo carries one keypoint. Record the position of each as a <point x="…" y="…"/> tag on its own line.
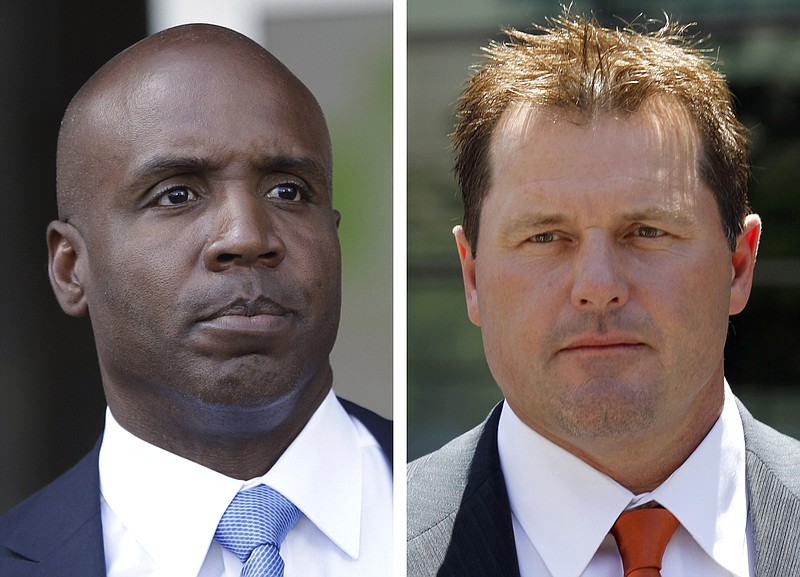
<point x="253" y="528"/>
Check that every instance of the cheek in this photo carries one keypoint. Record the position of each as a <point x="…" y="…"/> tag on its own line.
<point x="313" y="256"/>
<point x="320" y="246"/>
<point x="692" y="285"/>
<point x="516" y="295"/>
<point x="707" y="303"/>
<point x="518" y="305"/>
<point x="136" y="284"/>
<point x="689" y="303"/>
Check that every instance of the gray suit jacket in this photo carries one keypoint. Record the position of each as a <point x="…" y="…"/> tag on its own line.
<point x="459" y="519"/>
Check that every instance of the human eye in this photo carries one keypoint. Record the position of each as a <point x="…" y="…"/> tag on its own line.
<point x="176" y="196"/>
<point x="287" y="191"/>
<point x="644" y="231"/>
<point x="545" y="237"/>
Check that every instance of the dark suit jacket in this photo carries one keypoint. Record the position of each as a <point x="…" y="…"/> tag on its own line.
<point x="459" y="518"/>
<point x="57" y="532"/>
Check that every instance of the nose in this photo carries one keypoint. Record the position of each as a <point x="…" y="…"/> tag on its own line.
<point x="599" y="276"/>
<point x="243" y="234"/>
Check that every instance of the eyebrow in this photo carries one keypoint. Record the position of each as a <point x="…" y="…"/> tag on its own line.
<point x="158" y="165"/>
<point x="296" y="165"/>
<point x="534" y="220"/>
<point x="659" y="214"/>
<point x="542" y="220"/>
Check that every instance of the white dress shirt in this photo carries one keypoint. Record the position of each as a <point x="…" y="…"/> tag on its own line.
<point x="160" y="511"/>
<point x="563" y="509"/>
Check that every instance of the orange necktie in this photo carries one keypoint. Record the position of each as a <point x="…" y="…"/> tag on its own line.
<point x="642" y="535"/>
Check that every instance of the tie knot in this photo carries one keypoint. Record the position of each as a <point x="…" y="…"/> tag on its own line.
<point x="256" y="517"/>
<point x="642" y="535"/>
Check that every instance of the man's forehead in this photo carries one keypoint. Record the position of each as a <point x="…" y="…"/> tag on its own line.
<point x="556" y="160"/>
<point x="195" y="109"/>
<point x="666" y="121"/>
<point x="150" y="65"/>
<point x="190" y="40"/>
<point x="183" y="86"/>
<point x="187" y="86"/>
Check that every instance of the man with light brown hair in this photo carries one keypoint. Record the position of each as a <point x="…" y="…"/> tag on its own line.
<point x="606" y="241"/>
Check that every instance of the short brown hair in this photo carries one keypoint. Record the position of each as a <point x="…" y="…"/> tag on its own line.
<point x="577" y="65"/>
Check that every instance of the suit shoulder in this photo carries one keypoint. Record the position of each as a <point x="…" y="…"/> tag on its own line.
<point x="379" y="427"/>
<point x="459" y="519"/>
<point x="773" y="487"/>
<point x="370" y="419"/>
<point x="437" y="481"/>
<point x="775" y="452"/>
<point x="51" y="515"/>
<point x="52" y="493"/>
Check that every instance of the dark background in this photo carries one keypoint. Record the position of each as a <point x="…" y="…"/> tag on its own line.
<point x="51" y="404"/>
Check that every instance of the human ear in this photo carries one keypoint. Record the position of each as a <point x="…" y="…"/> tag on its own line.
<point x="337" y="217"/>
<point x="66" y="255"/>
<point x="743" y="261"/>
<point x="468" y="272"/>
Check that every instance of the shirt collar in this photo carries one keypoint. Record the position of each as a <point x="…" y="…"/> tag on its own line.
<point x="157" y="494"/>
<point x="547" y="484"/>
<point x="708" y="492"/>
<point x="321" y="474"/>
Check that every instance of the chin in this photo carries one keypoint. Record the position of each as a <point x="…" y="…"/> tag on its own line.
<point x="244" y="415"/>
<point x="249" y="391"/>
<point x="607" y="408"/>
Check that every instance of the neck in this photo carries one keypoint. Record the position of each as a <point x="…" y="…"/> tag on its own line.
<point x="241" y="443"/>
<point x="642" y="461"/>
<point x="638" y="467"/>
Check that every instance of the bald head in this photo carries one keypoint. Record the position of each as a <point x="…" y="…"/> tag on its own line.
<point x="146" y="85"/>
<point x="197" y="231"/>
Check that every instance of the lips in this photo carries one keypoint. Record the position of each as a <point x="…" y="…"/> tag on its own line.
<point x="260" y="315"/>
<point x="243" y="307"/>
<point x="600" y="342"/>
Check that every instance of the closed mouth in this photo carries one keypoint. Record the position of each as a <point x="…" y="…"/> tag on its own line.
<point x="249" y="308"/>
<point x="601" y="343"/>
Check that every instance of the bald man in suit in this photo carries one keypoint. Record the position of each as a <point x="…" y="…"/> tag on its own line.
<point x="196" y="229"/>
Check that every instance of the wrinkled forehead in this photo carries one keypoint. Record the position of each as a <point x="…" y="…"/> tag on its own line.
<point x="219" y="95"/>
<point x="663" y="122"/>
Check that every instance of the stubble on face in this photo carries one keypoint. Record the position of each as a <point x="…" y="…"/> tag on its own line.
<point x="601" y="404"/>
<point x="561" y="261"/>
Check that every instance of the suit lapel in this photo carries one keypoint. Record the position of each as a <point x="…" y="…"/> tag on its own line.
<point x="478" y="538"/>
<point x="379" y="427"/>
<point x="482" y="542"/>
<point x="773" y="480"/>
<point x="58" y="531"/>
